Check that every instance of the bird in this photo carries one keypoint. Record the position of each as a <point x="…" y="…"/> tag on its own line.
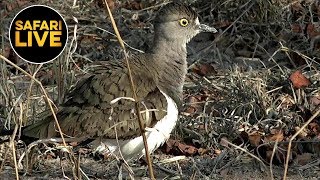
<point x="97" y="107"/>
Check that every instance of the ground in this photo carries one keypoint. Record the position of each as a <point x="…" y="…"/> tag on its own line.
<point x="249" y="89"/>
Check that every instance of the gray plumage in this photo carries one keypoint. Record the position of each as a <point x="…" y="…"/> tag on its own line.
<point x="87" y="110"/>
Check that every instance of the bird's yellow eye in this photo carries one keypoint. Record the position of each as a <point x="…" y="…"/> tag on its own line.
<point x="184" y="22"/>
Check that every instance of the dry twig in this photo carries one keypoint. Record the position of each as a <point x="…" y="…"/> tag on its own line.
<point x="137" y="106"/>
<point x="293" y="137"/>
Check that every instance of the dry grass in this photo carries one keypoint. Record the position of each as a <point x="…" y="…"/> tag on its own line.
<point x="259" y="45"/>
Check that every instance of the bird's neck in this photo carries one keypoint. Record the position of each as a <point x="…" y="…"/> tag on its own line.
<point x="169" y="46"/>
<point x="170" y="57"/>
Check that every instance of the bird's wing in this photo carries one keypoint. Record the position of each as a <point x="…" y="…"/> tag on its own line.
<point x="87" y="113"/>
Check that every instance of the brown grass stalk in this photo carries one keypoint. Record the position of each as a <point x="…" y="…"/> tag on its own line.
<point x="293" y="137"/>
<point x="137" y="106"/>
<point x="46" y="97"/>
<point x="244" y="150"/>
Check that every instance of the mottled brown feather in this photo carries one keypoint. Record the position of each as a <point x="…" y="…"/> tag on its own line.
<point x="87" y="110"/>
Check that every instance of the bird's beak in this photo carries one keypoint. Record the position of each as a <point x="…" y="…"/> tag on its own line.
<point x="205" y="28"/>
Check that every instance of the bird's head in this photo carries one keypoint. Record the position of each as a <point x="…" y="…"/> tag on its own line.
<point x="179" y="22"/>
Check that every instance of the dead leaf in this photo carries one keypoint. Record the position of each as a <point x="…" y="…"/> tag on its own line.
<point x="314" y="100"/>
<point x="111" y="4"/>
<point x="254" y="139"/>
<point x="223" y="24"/>
<point x="133" y="5"/>
<point x="299" y="80"/>
<point x="22" y="2"/>
<point x="192" y="100"/>
<point x="187" y="149"/>
<point x="275" y="135"/>
<point x="313" y="30"/>
<point x="193" y="105"/>
<point x="204" y="69"/>
<point x="177" y="148"/>
<point x="314" y="127"/>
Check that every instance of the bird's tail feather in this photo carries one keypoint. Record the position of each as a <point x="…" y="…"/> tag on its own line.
<point x="27" y="140"/>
